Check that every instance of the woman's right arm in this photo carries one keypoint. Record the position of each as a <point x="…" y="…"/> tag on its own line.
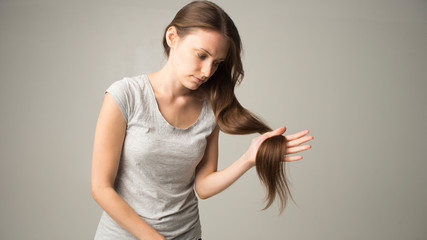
<point x="109" y="136"/>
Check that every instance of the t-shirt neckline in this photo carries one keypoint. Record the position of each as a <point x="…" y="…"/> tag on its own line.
<point x="160" y="115"/>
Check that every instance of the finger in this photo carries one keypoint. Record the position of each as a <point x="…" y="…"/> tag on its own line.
<point x="292" y="158"/>
<point x="275" y="132"/>
<point x="299" y="141"/>
<point x="297" y="149"/>
<point x="297" y="135"/>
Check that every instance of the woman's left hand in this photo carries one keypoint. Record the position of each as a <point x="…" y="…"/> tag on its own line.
<point x="292" y="141"/>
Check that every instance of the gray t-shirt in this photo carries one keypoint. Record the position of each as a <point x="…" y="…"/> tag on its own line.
<point x="157" y="166"/>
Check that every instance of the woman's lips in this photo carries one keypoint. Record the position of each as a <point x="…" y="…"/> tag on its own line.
<point x="198" y="79"/>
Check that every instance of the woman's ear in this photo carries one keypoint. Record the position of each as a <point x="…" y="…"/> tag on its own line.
<point x="171" y="36"/>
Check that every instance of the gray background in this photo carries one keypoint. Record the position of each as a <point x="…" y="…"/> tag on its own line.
<point x="353" y="72"/>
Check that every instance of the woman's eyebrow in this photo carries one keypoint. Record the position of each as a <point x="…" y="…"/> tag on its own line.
<point x="221" y="59"/>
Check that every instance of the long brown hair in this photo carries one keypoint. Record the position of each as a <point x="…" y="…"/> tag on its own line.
<point x="230" y="115"/>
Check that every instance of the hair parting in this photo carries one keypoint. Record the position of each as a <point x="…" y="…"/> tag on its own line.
<point x="231" y="116"/>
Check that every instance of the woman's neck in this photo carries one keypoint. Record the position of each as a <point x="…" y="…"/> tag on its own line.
<point x="165" y="83"/>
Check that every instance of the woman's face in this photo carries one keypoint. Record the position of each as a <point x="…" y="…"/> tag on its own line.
<point x="196" y="56"/>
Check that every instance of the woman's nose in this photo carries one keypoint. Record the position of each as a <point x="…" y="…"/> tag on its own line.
<point x="207" y="69"/>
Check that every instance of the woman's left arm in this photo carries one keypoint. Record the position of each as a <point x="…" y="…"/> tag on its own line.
<point x="209" y="181"/>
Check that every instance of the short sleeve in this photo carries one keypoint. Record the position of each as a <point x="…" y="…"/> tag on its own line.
<point x="122" y="94"/>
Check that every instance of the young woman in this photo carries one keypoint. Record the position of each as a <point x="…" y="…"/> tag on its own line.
<point x="156" y="139"/>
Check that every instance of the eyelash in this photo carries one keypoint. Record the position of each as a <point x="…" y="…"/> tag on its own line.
<point x="203" y="57"/>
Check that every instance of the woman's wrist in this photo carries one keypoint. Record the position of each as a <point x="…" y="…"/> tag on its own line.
<point x="247" y="160"/>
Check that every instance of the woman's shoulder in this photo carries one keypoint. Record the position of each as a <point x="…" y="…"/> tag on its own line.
<point x="134" y="82"/>
<point x="134" y="85"/>
<point x="130" y="93"/>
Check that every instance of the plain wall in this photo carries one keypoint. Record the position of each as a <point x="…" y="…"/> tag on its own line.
<point x="352" y="72"/>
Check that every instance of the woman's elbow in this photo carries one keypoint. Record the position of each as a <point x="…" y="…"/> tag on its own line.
<point x="203" y="196"/>
<point x="201" y="193"/>
<point x="97" y="192"/>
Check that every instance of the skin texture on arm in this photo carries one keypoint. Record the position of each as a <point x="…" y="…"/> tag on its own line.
<point x="108" y="142"/>
<point x="208" y="180"/>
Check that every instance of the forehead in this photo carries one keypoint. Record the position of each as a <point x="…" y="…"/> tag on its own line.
<point x="212" y="41"/>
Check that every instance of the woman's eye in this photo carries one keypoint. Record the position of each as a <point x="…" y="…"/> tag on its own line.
<point x="201" y="56"/>
<point x="217" y="63"/>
